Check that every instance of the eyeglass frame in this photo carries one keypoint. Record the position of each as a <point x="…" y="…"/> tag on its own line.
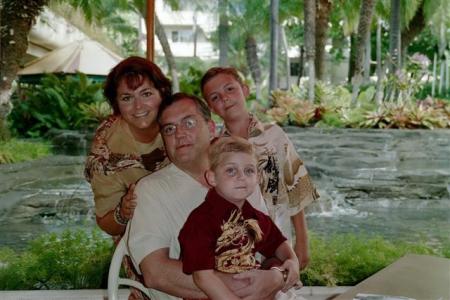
<point x="182" y="123"/>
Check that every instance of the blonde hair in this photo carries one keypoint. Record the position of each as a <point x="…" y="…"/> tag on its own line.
<point x="231" y="144"/>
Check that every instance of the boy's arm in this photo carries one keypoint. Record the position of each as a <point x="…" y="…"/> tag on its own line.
<point x="285" y="253"/>
<point x="301" y="246"/>
<point x="165" y="274"/>
<point x="213" y="286"/>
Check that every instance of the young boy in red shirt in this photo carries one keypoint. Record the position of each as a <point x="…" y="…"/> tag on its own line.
<point x="224" y="232"/>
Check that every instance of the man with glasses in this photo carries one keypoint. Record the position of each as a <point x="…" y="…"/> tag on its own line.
<point x="166" y="198"/>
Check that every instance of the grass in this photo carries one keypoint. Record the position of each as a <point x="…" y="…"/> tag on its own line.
<point x="348" y="259"/>
<point x="80" y="260"/>
<point x="16" y="150"/>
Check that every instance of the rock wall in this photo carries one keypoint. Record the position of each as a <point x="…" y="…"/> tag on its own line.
<point x="377" y="167"/>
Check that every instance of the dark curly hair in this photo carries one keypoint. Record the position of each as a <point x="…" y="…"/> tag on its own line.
<point x="134" y="70"/>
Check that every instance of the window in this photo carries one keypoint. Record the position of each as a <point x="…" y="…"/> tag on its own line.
<point x="182" y="36"/>
<point x="174" y="36"/>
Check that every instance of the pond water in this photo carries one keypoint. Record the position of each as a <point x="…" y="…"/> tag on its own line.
<point x="394" y="185"/>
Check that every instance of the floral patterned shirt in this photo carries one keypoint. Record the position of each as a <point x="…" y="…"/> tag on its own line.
<point x="116" y="160"/>
<point x="284" y="180"/>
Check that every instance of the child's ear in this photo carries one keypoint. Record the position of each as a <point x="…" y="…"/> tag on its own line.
<point x="210" y="178"/>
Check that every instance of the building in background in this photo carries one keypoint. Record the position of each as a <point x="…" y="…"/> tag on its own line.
<point x="188" y="29"/>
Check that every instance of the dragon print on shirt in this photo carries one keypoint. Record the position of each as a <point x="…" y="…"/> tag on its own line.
<point x="235" y="246"/>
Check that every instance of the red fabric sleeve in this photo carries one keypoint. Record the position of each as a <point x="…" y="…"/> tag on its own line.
<point x="272" y="237"/>
<point x="197" y="242"/>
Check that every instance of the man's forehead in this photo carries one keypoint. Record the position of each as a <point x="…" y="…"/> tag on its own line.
<point x="179" y="110"/>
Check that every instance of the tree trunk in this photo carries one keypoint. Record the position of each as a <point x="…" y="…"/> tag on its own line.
<point x="194" y="30"/>
<point x="223" y="33"/>
<point x="17" y="18"/>
<point x="414" y="28"/>
<point x="352" y="58"/>
<point x="251" y="53"/>
<point x="395" y="37"/>
<point x="310" y="26"/>
<point x="322" y="19"/>
<point x="161" y="34"/>
<point x="380" y="69"/>
<point x="301" y="64"/>
<point x="365" y="21"/>
<point x="367" y="61"/>
<point x="274" y="34"/>
<point x="286" y="52"/>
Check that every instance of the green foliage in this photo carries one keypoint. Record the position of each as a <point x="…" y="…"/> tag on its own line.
<point x="15" y="150"/>
<point x="347" y="259"/>
<point x="80" y="260"/>
<point x="58" y="102"/>
<point x="190" y="80"/>
<point x="332" y="108"/>
<point x="71" y="260"/>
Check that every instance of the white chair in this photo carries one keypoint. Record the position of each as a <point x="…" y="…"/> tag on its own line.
<point x="114" y="281"/>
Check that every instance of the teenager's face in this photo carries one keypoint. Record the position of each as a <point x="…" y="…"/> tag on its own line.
<point x="138" y="107"/>
<point x="190" y="139"/>
<point x="226" y="96"/>
<point x="235" y="178"/>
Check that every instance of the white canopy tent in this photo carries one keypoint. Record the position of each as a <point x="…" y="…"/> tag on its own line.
<point x="85" y="56"/>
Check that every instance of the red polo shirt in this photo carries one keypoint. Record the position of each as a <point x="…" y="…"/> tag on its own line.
<point x="217" y="233"/>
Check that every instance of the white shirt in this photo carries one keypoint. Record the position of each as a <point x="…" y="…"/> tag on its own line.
<point x="164" y="201"/>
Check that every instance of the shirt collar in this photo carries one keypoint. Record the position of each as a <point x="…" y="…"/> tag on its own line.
<point x="254" y="129"/>
<point x="220" y="205"/>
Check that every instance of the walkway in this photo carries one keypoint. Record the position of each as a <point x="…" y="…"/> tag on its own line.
<point x="309" y="293"/>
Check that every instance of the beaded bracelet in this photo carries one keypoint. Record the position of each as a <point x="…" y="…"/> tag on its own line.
<point x="118" y="217"/>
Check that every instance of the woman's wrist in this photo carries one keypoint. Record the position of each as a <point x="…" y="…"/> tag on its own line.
<point x="118" y="216"/>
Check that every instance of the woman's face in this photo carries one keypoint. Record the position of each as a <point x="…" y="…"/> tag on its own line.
<point x="139" y="107"/>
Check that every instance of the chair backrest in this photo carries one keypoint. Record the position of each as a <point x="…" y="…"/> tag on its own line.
<point x="114" y="281"/>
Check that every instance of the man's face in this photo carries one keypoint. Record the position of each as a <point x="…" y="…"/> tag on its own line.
<point x="185" y="132"/>
<point x="226" y="96"/>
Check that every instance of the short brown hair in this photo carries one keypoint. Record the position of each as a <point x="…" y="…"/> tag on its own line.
<point x="228" y="144"/>
<point x="134" y="70"/>
<point x="214" y="71"/>
<point x="202" y="107"/>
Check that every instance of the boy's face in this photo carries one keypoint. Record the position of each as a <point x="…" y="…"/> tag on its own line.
<point x="226" y="96"/>
<point x="235" y="177"/>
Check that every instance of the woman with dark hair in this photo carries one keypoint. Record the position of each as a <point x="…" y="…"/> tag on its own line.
<point x="127" y="146"/>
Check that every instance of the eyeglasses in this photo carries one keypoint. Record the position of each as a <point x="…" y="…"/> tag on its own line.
<point x="188" y="123"/>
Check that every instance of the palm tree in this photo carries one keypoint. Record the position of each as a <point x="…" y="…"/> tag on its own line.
<point x="223" y="32"/>
<point x="249" y="20"/>
<point x="394" y="36"/>
<point x="274" y="40"/>
<point x="16" y="20"/>
<point x="364" y="26"/>
<point x="323" y="11"/>
<point x="310" y="25"/>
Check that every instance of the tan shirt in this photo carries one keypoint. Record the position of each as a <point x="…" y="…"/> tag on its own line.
<point x="116" y="160"/>
<point x="284" y="180"/>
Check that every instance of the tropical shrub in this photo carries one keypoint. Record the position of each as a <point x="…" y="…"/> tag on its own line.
<point x="57" y="102"/>
<point x="332" y="108"/>
<point x="71" y="260"/>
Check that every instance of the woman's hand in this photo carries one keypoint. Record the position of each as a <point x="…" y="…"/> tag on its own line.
<point x="292" y="266"/>
<point x="128" y="203"/>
